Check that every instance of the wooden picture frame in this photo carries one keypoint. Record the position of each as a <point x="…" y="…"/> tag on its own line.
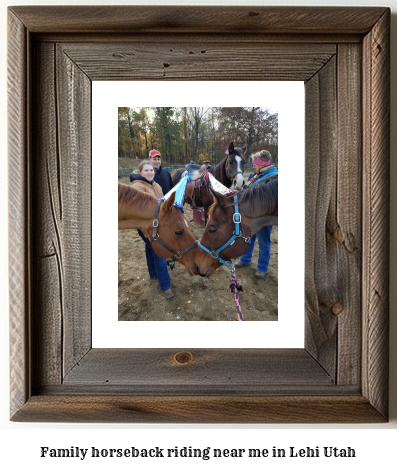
<point x="342" y="54"/>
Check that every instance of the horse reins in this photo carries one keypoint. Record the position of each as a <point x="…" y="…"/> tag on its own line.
<point x="234" y="286"/>
<point x="155" y="237"/>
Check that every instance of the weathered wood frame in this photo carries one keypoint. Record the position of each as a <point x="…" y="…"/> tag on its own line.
<point x="342" y="54"/>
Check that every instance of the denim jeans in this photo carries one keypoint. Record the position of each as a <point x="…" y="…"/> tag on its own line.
<point x="263" y="236"/>
<point x="157" y="266"/>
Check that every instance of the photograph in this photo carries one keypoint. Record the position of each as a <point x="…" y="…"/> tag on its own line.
<point x="212" y="174"/>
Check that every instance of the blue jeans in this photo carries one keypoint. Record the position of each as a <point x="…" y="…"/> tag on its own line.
<point x="263" y="236"/>
<point x="157" y="266"/>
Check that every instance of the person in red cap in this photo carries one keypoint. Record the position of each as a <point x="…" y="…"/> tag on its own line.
<point x="161" y="176"/>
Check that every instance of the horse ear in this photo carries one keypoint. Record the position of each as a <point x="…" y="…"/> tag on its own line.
<point x="169" y="201"/>
<point x="244" y="149"/>
<point x="215" y="195"/>
<point x="219" y="198"/>
<point x="231" y="148"/>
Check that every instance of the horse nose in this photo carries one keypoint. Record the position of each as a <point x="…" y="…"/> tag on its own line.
<point x="197" y="268"/>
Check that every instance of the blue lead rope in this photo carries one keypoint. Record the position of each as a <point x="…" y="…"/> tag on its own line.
<point x="236" y="233"/>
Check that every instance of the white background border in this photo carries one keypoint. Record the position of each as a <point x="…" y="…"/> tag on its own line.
<point x="286" y="98"/>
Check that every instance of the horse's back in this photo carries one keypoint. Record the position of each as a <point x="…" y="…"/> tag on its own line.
<point x="177" y="174"/>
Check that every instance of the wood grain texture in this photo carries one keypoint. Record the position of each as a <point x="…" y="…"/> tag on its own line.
<point x="346" y="228"/>
<point x="333" y="215"/>
<point x="73" y="89"/>
<point x="62" y="206"/>
<point x="206" y="369"/>
<point x="198" y="409"/>
<point x="320" y="172"/>
<point x="199" y="19"/>
<point x="48" y="247"/>
<point x="18" y="213"/>
<point x="226" y="59"/>
<point x="341" y="375"/>
<point x="376" y="149"/>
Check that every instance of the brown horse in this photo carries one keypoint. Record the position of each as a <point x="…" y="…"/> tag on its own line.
<point x="168" y="226"/>
<point x="229" y="172"/>
<point x="258" y="207"/>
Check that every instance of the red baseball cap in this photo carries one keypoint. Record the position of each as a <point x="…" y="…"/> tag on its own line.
<point x="154" y="152"/>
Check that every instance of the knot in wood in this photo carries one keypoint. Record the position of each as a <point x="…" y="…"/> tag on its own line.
<point x="337" y="308"/>
<point x="183" y="358"/>
<point x="338" y="235"/>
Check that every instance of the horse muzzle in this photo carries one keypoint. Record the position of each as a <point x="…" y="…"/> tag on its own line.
<point x="206" y="274"/>
<point x="238" y="182"/>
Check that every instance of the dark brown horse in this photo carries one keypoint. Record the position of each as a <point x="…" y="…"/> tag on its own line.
<point x="229" y="172"/>
<point x="258" y="207"/>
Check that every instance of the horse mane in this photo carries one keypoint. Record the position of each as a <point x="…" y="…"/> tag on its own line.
<point x="264" y="193"/>
<point x="220" y="173"/>
<point x="130" y="195"/>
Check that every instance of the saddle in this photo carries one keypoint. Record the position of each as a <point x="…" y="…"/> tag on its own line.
<point x="192" y="168"/>
<point x="193" y="188"/>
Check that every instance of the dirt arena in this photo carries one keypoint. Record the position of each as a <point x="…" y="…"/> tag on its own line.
<point x="195" y="298"/>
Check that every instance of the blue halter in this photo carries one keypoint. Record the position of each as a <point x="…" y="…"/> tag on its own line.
<point x="236" y="233"/>
<point x="234" y="174"/>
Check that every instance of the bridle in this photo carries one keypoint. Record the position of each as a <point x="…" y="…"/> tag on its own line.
<point x="155" y="237"/>
<point x="234" y="174"/>
<point x="238" y="232"/>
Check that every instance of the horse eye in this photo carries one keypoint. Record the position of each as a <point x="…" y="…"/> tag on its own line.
<point x="211" y="231"/>
<point x="178" y="233"/>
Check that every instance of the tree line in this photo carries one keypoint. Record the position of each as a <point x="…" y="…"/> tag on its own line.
<point x="195" y="134"/>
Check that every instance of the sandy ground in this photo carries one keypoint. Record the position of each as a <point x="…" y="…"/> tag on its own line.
<point x="196" y="298"/>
